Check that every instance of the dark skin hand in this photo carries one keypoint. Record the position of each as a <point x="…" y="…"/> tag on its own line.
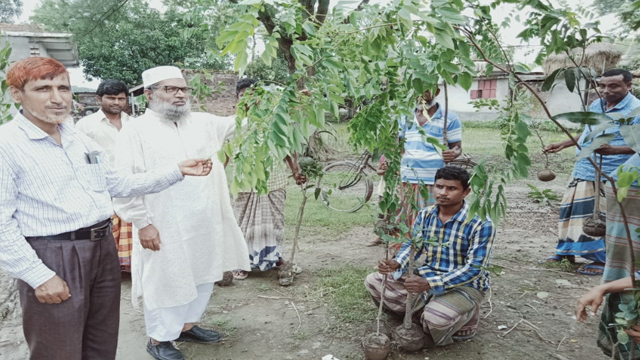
<point x="414" y="284"/>
<point x="607" y="149"/>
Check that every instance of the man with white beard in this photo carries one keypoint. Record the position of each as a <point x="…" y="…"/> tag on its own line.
<point x="188" y="236"/>
<point x="55" y="218"/>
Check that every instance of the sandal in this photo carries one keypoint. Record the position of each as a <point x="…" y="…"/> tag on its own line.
<point x="240" y="274"/>
<point x="599" y="269"/>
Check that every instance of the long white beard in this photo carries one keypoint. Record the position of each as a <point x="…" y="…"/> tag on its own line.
<point x="170" y="112"/>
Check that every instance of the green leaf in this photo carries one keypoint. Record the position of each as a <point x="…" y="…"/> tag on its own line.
<point x="570" y="79"/>
<point x="631" y="135"/>
<point x="450" y="67"/>
<point x="598" y="130"/>
<point x="435" y="142"/>
<point x="465" y="80"/>
<point x="444" y="39"/>
<point x="550" y="80"/>
<point x="309" y="28"/>
<point x="250" y="2"/>
<point x="596" y="143"/>
<point x="582" y="117"/>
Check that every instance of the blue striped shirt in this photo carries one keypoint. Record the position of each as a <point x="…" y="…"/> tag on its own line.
<point x="583" y="168"/>
<point x="48" y="189"/>
<point x="460" y="258"/>
<point x="421" y="160"/>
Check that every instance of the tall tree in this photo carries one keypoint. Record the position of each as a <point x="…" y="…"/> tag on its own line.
<point x="10" y="10"/>
<point x="119" y="39"/>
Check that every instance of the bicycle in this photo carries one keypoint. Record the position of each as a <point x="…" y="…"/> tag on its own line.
<point x="345" y="186"/>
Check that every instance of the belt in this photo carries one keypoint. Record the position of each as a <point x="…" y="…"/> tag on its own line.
<point x="94" y="232"/>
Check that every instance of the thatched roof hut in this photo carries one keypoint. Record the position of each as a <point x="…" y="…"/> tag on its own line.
<point x="598" y="56"/>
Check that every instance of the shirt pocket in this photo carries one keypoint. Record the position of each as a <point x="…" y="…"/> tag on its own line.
<point x="92" y="177"/>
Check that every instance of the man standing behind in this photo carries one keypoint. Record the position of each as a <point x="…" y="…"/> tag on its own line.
<point x="103" y="127"/>
<point x="55" y="209"/>
<point x="188" y="236"/>
<point x="452" y="282"/>
<point x="421" y="159"/>
<point x="578" y="201"/>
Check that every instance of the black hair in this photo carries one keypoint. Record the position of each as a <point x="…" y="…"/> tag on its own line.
<point x="244" y="84"/>
<point x="626" y="75"/>
<point x="454" y="173"/>
<point x="112" y="87"/>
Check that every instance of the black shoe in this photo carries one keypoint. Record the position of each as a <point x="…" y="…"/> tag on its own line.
<point x="164" y="351"/>
<point x="199" y="335"/>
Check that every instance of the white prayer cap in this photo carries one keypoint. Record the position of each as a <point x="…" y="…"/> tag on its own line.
<point x="159" y="73"/>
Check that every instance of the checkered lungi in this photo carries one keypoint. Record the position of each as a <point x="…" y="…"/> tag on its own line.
<point x="123" y="235"/>
<point x="442" y="316"/>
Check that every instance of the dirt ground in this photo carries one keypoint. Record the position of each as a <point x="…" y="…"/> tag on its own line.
<point x="266" y="321"/>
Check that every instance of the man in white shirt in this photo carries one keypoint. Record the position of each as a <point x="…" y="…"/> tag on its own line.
<point x="103" y="126"/>
<point x="189" y="235"/>
<point x="55" y="209"/>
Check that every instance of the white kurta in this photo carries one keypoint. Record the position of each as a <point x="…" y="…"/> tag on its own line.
<point x="199" y="235"/>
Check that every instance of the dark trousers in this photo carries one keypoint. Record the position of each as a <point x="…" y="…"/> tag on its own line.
<point x="84" y="327"/>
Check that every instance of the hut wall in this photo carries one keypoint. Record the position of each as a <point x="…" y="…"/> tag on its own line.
<point x="223" y="92"/>
<point x="561" y="100"/>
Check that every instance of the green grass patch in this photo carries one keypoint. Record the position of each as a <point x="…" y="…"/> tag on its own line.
<point x="223" y="325"/>
<point x="319" y="219"/>
<point x="564" y="265"/>
<point x="348" y="297"/>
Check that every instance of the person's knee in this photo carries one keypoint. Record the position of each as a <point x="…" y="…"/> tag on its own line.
<point x="434" y="319"/>
<point x="372" y="284"/>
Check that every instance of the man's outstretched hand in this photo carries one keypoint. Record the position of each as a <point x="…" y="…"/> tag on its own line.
<point x="195" y="167"/>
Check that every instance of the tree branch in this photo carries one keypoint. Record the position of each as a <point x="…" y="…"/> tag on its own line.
<point x="323" y="8"/>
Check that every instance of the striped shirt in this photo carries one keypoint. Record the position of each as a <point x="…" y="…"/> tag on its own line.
<point x="460" y="258"/>
<point x="583" y="168"/>
<point x="48" y="189"/>
<point x="421" y="160"/>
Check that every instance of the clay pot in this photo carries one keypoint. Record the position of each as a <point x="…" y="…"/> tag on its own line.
<point x="595" y="227"/>
<point x="227" y="279"/>
<point x="376" y="346"/>
<point x="285" y="274"/>
<point x="409" y="340"/>
<point x="546" y="175"/>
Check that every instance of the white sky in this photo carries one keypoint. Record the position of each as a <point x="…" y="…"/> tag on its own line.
<point x="523" y="54"/>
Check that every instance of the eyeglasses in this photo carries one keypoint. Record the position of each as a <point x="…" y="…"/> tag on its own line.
<point x="174" y="90"/>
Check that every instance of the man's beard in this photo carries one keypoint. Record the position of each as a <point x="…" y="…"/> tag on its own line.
<point x="420" y="105"/>
<point x="112" y="112"/>
<point x="169" y="111"/>
<point x="47" y="118"/>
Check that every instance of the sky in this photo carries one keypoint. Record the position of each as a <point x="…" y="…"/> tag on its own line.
<point x="523" y="53"/>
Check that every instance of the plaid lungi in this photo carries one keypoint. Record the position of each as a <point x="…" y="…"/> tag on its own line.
<point x="577" y="206"/>
<point x="441" y="316"/>
<point x="607" y="332"/>
<point x="123" y="235"/>
<point x="618" y="254"/>
<point x="261" y="219"/>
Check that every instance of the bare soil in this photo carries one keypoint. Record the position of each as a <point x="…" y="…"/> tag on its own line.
<point x="527" y="315"/>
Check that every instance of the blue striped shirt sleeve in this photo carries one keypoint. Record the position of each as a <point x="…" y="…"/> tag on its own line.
<point x="477" y="258"/>
<point x="454" y="129"/>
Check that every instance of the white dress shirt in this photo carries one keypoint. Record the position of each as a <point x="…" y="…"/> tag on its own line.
<point x="48" y="189"/>
<point x="102" y="131"/>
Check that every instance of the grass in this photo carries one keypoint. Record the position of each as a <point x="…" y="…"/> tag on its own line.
<point x="319" y="219"/>
<point x="348" y="297"/>
<point x="563" y="265"/>
<point x="224" y="326"/>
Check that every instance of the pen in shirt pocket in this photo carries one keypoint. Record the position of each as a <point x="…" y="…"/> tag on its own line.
<point x="93" y="157"/>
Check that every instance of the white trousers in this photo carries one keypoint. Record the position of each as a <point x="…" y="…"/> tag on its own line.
<point x="165" y="324"/>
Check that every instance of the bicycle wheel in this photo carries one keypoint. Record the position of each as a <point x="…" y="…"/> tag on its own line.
<point x="343" y="187"/>
<point x="465" y="162"/>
